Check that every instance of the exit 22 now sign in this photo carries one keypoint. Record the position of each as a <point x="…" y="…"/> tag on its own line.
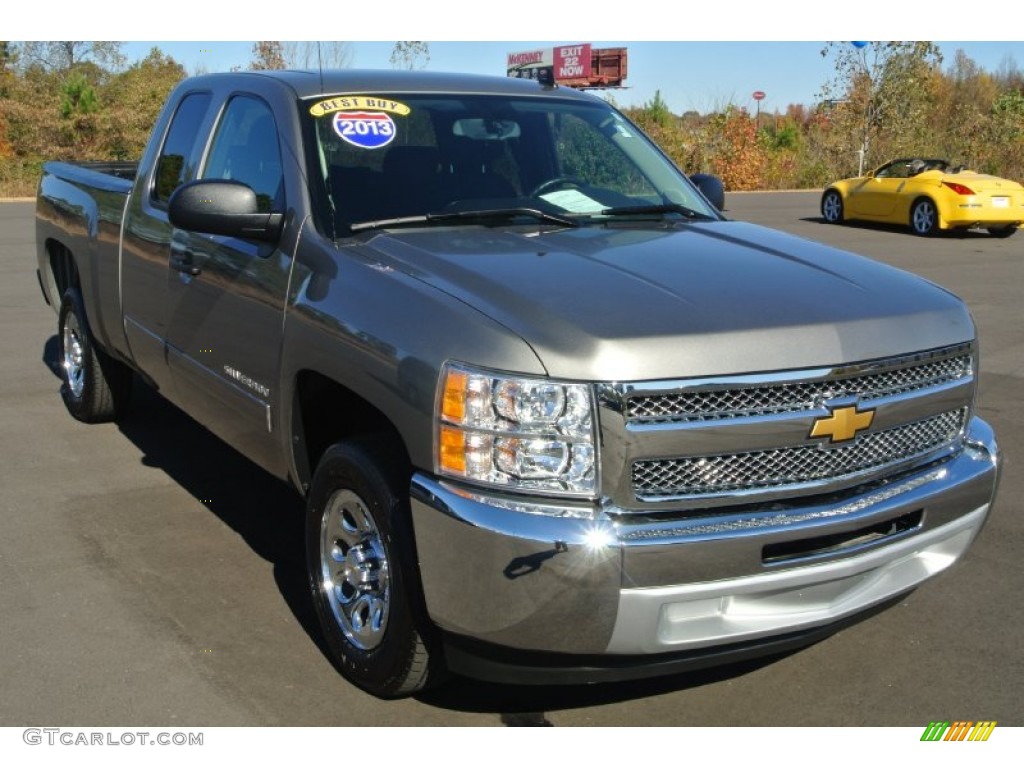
<point x="572" y="61"/>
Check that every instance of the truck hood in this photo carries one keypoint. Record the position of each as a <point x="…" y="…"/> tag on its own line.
<point x="628" y="302"/>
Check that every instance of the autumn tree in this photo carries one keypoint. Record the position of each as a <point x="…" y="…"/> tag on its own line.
<point x="884" y="91"/>
<point x="267" y="54"/>
<point x="134" y="99"/>
<point x="7" y="61"/>
<point x="739" y="160"/>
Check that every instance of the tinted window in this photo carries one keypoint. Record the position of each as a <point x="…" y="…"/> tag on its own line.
<point x="245" y="148"/>
<point x="407" y="156"/>
<point x="178" y="156"/>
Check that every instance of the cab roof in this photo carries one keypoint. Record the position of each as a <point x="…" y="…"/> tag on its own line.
<point x="313" y="83"/>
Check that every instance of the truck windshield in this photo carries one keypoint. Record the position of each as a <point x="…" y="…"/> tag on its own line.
<point x="388" y="160"/>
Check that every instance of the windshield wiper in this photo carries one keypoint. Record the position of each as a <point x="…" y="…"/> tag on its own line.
<point x="504" y="214"/>
<point x="359" y="226"/>
<point x="629" y="210"/>
<point x="500" y="214"/>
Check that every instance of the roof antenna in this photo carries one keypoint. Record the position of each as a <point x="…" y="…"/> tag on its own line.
<point x="320" y="64"/>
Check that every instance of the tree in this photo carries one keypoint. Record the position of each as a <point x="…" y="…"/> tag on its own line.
<point x="65" y="55"/>
<point x="314" y="55"/>
<point x="410" y="54"/>
<point x="658" y="111"/>
<point x="78" y="97"/>
<point x="133" y="100"/>
<point x="7" y="60"/>
<point x="8" y="57"/>
<point x="267" y="54"/>
<point x="884" y="88"/>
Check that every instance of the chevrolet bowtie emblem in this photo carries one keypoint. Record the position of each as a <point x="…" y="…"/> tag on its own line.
<point x="842" y="424"/>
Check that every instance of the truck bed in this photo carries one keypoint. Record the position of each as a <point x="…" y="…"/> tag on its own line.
<point x="108" y="176"/>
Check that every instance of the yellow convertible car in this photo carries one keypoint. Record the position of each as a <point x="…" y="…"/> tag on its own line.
<point x="928" y="194"/>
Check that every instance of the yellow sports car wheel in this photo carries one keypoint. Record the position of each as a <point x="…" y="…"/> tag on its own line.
<point x="832" y="207"/>
<point x="924" y="217"/>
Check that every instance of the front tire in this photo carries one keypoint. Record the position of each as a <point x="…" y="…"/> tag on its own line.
<point x="832" y="207"/>
<point x="362" y="569"/>
<point x="924" y="218"/>
<point x="96" y="388"/>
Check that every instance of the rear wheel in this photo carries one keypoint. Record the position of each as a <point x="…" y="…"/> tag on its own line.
<point x="832" y="207"/>
<point x="362" y="569"/>
<point x="96" y="387"/>
<point x="924" y="218"/>
<point x="1002" y="231"/>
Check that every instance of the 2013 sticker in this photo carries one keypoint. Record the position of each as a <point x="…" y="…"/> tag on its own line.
<point x="368" y="130"/>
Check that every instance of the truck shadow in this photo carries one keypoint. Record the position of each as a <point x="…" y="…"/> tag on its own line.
<point x="264" y="511"/>
<point x="269" y="516"/>
<point x="527" y="705"/>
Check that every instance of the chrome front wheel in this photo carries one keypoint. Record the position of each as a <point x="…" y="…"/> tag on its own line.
<point x="354" y="564"/>
<point x="363" y="569"/>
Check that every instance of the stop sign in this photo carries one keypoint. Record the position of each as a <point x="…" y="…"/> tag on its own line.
<point x="758" y="95"/>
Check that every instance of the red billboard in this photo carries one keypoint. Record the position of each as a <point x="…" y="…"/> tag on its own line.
<point x="576" y="66"/>
<point x="572" y="62"/>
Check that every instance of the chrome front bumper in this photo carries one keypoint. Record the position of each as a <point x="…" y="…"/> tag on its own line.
<point x="588" y="579"/>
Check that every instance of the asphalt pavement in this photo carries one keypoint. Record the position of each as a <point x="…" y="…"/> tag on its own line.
<point x="151" y="575"/>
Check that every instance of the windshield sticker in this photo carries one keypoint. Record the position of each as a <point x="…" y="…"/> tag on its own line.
<point x="348" y="103"/>
<point x="367" y="130"/>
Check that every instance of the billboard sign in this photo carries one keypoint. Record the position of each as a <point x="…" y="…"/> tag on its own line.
<point x="567" y="62"/>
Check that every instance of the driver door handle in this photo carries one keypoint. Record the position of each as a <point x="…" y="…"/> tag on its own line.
<point x="184" y="264"/>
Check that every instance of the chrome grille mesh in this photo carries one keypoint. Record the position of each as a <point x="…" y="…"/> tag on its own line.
<point x="763" y="400"/>
<point x="705" y="475"/>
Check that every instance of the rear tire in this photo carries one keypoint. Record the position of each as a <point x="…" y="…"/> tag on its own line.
<point x="1002" y="231"/>
<point x="924" y="218"/>
<point x="96" y="387"/>
<point x="362" y="569"/>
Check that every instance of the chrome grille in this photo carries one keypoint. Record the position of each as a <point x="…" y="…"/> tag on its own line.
<point x="654" y="480"/>
<point x="709" y="404"/>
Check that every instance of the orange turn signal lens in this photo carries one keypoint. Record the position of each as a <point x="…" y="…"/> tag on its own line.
<point x="453" y="406"/>
<point x="453" y="449"/>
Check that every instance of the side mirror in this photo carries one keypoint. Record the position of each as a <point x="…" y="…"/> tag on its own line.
<point x="220" y="207"/>
<point x="711" y="187"/>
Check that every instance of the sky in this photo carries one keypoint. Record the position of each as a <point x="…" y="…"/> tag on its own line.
<point x="691" y="75"/>
<point x="700" y="56"/>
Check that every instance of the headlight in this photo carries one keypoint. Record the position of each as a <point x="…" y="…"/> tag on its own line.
<point x="516" y="432"/>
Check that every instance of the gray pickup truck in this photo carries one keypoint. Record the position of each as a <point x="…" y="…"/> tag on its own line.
<point x="554" y="417"/>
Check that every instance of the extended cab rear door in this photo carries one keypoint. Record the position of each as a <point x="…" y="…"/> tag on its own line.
<point x="227" y="295"/>
<point x="145" y="278"/>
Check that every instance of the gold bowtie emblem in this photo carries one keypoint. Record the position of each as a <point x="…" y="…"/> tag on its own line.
<point x="842" y="424"/>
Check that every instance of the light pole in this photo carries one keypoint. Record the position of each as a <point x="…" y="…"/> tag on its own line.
<point x="861" y="47"/>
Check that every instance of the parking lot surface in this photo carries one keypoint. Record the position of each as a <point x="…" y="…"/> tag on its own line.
<point x="150" y="575"/>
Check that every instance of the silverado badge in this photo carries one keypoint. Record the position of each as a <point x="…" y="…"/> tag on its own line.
<point x="842" y="424"/>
